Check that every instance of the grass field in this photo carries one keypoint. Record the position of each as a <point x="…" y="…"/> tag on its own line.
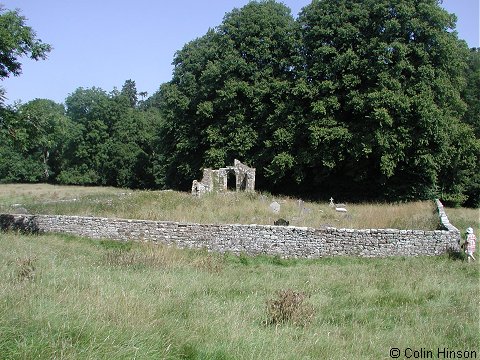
<point x="218" y="208"/>
<point x="63" y="297"/>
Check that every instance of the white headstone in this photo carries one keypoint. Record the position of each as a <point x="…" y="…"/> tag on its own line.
<point x="275" y="207"/>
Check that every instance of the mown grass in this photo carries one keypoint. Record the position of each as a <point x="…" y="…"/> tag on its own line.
<point x="230" y="207"/>
<point x="65" y="297"/>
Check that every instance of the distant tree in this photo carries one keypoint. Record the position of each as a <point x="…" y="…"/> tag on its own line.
<point x="86" y="150"/>
<point x="384" y="81"/>
<point x="15" y="164"/>
<point x="22" y="139"/>
<point x="17" y="40"/>
<point x="46" y="126"/>
<point x="32" y="139"/>
<point x="129" y="155"/>
<point x="110" y="142"/>
<point x="129" y="90"/>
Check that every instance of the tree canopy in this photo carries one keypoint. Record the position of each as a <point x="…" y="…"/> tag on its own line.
<point x="17" y="40"/>
<point x="386" y="79"/>
<point x="230" y="95"/>
<point x="356" y="99"/>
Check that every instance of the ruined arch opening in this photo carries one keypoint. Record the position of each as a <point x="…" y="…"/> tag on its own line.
<point x="231" y="181"/>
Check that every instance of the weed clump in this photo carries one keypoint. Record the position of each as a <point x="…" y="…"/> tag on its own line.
<point x="289" y="307"/>
<point x="25" y="269"/>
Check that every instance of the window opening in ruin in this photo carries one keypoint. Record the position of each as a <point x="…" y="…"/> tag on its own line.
<point x="231" y="181"/>
<point x="243" y="184"/>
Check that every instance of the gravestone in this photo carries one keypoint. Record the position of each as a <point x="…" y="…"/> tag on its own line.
<point x="275" y="207"/>
<point x="20" y="210"/>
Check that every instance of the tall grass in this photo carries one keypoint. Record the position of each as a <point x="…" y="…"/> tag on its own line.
<point x="464" y="218"/>
<point x="104" y="300"/>
<point x="229" y="207"/>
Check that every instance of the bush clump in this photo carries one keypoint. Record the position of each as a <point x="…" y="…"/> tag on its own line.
<point x="289" y="307"/>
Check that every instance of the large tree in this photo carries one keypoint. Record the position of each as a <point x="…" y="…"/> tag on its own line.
<point x="230" y="97"/>
<point x="472" y="93"/>
<point x="384" y="82"/>
<point x="472" y="118"/>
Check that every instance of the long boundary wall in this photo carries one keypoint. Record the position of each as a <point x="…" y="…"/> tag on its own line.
<point x="284" y="241"/>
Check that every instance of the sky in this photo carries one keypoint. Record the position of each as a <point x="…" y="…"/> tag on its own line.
<point x="102" y="43"/>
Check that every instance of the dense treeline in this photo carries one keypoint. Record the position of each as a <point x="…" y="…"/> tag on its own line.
<point x="371" y="99"/>
<point x="99" y="139"/>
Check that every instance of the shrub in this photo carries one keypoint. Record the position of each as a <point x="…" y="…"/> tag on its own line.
<point x="289" y="307"/>
<point x="26" y="269"/>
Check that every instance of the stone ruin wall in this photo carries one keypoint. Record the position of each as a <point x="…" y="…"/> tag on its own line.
<point x="217" y="180"/>
<point x="283" y="241"/>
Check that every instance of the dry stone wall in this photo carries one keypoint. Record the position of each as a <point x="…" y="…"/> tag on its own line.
<point x="284" y="241"/>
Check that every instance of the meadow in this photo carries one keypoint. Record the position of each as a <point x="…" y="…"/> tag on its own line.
<point x="222" y="208"/>
<point x="65" y="297"/>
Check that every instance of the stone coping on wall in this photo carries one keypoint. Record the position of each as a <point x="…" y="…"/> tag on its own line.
<point x="252" y="239"/>
<point x="444" y="218"/>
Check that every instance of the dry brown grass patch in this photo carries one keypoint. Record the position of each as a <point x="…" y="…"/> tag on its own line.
<point x="25" y="269"/>
<point x="289" y="307"/>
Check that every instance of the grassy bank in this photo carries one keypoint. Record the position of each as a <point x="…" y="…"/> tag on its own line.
<point x="212" y="208"/>
<point x="71" y="298"/>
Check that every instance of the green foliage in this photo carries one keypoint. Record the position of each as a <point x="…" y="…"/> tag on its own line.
<point x="389" y="75"/>
<point x="472" y="117"/>
<point x="32" y="139"/>
<point x="16" y="40"/>
<point x="360" y="100"/>
<point x="111" y="142"/>
<point x="471" y="93"/>
<point x="355" y="97"/>
<point x="229" y="96"/>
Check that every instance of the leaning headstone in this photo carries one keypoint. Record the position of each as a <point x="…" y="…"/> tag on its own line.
<point x="275" y="207"/>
